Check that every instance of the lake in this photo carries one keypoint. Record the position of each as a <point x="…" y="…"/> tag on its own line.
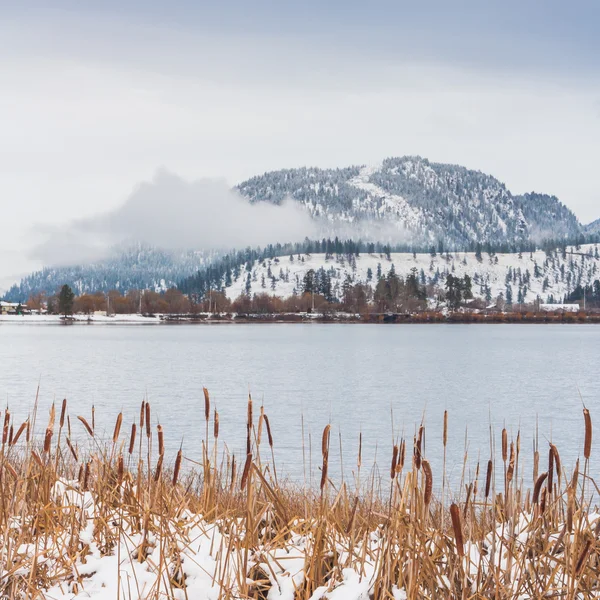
<point x="376" y="379"/>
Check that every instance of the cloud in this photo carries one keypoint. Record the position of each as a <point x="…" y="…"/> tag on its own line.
<point x="172" y="213"/>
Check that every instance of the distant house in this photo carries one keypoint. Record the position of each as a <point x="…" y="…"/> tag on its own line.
<point x="9" y="308"/>
<point x="563" y="308"/>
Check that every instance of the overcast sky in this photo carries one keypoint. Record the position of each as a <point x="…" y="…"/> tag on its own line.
<point x="94" y="102"/>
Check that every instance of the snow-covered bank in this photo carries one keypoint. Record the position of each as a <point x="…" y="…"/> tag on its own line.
<point x="78" y="319"/>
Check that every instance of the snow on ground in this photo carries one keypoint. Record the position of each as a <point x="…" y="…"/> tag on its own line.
<point x="535" y="274"/>
<point x="53" y="319"/>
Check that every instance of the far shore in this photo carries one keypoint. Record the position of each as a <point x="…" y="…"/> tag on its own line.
<point x="431" y="317"/>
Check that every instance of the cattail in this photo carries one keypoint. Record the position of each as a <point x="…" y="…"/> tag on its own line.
<point x="27" y="432"/>
<point x="206" y="405"/>
<point x="248" y="442"/>
<point x="587" y="446"/>
<point x="6" y="427"/>
<point x="148" y="430"/>
<point x="10" y="435"/>
<point x="120" y="468"/>
<point x="142" y="413"/>
<point x="504" y="445"/>
<point x="394" y="462"/>
<point x="268" y="426"/>
<point x="73" y="451"/>
<point x="536" y="464"/>
<point x="575" y="477"/>
<point x="11" y="470"/>
<point x="161" y="441"/>
<point x="63" y="412"/>
<point x="511" y="464"/>
<point x="159" y="464"/>
<point x="132" y="438"/>
<point x="557" y="464"/>
<point x="37" y="458"/>
<point x="538" y="486"/>
<point x="402" y="455"/>
<point x="417" y="451"/>
<point x="543" y="498"/>
<point x="80" y="474"/>
<point x="93" y="418"/>
<point x="52" y="416"/>
<point x="457" y="527"/>
<point x="583" y="557"/>
<point x="249" y="411"/>
<point x="117" y="430"/>
<point x="325" y="441"/>
<point x="261" y="419"/>
<point x="86" y="476"/>
<point x="86" y="425"/>
<point x="216" y="425"/>
<point x="246" y="470"/>
<point x="233" y="470"/>
<point x="488" y="478"/>
<point x="445" y="435"/>
<point x="428" y="482"/>
<point x="324" y="472"/>
<point x="550" y="469"/>
<point x="19" y="432"/>
<point x="177" y="468"/>
<point x="48" y="440"/>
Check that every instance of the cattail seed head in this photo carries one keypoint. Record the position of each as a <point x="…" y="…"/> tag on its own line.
<point x="19" y="433"/>
<point x="177" y="468"/>
<point x="216" y="425"/>
<point x="249" y="411"/>
<point x="142" y="413"/>
<point x="147" y="417"/>
<point x="48" y="440"/>
<point x="120" y="468"/>
<point x="161" y="440"/>
<point x="132" y="438"/>
<point x="538" y="487"/>
<point x="445" y="435"/>
<point x="394" y="462"/>
<point x="488" y="478"/>
<point x="206" y="404"/>
<point x="117" y="429"/>
<point x="457" y="528"/>
<point x="587" y="446"/>
<point x="246" y="470"/>
<point x="268" y="426"/>
<point x="63" y="412"/>
<point x="86" y="425"/>
<point x="504" y="445"/>
<point x="428" y="482"/>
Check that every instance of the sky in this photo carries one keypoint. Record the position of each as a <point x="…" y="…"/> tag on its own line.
<point x="98" y="103"/>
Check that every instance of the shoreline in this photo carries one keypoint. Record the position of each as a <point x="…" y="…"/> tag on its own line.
<point x="428" y="318"/>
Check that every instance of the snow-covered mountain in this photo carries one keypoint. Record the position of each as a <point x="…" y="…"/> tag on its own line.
<point x="522" y="277"/>
<point x="141" y="266"/>
<point x="410" y="198"/>
<point x="593" y="228"/>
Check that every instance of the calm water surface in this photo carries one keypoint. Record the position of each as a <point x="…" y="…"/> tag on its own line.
<point x="378" y="380"/>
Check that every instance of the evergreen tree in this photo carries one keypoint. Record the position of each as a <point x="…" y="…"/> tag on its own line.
<point x="66" y="299"/>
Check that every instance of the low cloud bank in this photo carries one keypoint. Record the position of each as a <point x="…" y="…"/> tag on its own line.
<point x="172" y="213"/>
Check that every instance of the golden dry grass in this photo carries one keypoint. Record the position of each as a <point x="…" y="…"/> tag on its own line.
<point x="72" y="522"/>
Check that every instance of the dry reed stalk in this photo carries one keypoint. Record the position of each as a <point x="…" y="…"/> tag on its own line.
<point x="216" y="425"/>
<point x="402" y="454"/>
<point x="73" y="451"/>
<point x="457" y="528"/>
<point x="445" y="433"/>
